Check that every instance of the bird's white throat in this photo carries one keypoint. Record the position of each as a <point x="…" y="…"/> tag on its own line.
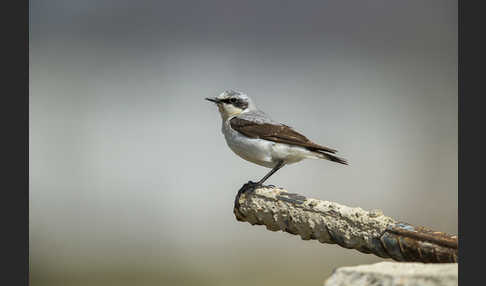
<point x="228" y="110"/>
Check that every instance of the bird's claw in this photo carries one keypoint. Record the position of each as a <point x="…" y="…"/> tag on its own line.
<point x="248" y="187"/>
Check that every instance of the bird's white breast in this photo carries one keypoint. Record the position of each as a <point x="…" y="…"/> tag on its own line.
<point x="254" y="150"/>
<point x="262" y="152"/>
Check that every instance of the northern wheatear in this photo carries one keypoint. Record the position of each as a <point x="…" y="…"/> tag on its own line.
<point x="255" y="137"/>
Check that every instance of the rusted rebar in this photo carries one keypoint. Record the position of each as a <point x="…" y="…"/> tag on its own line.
<point x="354" y="228"/>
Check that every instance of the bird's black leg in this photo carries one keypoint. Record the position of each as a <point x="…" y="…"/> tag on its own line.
<point x="277" y="167"/>
<point x="251" y="186"/>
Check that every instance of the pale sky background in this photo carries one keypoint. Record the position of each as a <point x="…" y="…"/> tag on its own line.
<point x="131" y="181"/>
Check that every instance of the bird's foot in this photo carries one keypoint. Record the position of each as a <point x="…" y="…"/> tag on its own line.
<point x="248" y="187"/>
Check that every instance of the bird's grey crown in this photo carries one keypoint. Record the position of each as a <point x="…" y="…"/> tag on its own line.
<point x="231" y="93"/>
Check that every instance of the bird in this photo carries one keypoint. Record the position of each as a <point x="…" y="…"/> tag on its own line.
<point x="254" y="136"/>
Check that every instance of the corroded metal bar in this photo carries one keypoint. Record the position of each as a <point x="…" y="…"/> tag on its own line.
<point x="353" y="228"/>
<point x="419" y="244"/>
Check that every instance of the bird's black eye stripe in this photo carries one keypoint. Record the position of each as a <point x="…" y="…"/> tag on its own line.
<point x="237" y="102"/>
<point x="229" y="100"/>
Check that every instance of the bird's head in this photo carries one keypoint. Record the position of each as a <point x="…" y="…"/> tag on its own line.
<point x="231" y="103"/>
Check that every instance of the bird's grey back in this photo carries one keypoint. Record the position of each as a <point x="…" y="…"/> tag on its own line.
<point x="258" y="116"/>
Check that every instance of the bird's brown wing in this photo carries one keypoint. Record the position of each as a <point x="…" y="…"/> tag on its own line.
<point x="276" y="133"/>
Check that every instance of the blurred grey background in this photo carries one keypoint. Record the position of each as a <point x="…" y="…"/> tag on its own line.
<point x="131" y="181"/>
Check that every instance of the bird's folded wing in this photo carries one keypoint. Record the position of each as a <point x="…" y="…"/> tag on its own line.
<point x="277" y="133"/>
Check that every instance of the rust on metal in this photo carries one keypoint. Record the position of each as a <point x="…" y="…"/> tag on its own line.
<point x="425" y="234"/>
<point x="405" y="242"/>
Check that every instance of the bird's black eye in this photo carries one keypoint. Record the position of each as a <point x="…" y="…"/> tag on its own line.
<point x="233" y="100"/>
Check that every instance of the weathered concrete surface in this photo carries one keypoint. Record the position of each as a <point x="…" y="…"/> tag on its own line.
<point x="396" y="274"/>
<point x="312" y="219"/>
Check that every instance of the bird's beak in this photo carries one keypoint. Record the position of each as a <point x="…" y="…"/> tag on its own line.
<point x="215" y="100"/>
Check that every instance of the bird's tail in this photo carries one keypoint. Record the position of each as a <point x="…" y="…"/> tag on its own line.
<point x="330" y="157"/>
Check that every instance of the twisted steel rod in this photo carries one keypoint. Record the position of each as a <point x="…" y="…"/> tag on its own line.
<point x="353" y="228"/>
